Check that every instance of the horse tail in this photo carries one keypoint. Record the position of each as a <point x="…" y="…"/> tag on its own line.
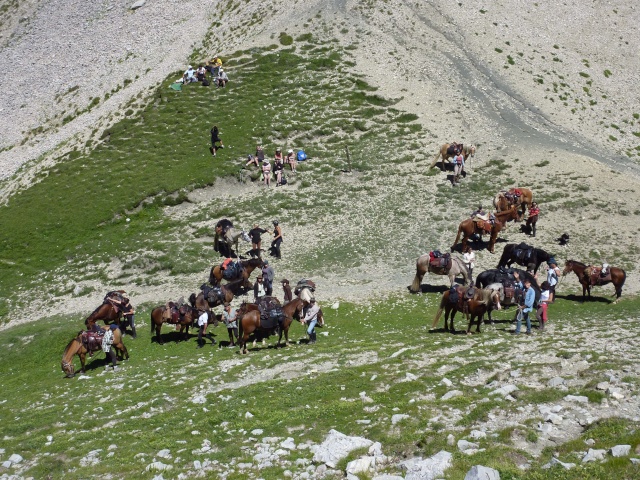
<point x="435" y="160"/>
<point x="415" y="286"/>
<point x="457" y="236"/>
<point x="438" y="315"/>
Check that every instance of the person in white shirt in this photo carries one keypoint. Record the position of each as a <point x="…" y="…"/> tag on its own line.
<point x="469" y="258"/>
<point x="311" y="318"/>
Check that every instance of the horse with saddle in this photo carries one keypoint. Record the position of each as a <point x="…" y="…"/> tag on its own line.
<point x="504" y="281"/>
<point x="523" y="254"/>
<point x="440" y="264"/>
<point x="226" y="238"/>
<point x="179" y="313"/>
<point x="521" y="198"/>
<point x="472" y="301"/>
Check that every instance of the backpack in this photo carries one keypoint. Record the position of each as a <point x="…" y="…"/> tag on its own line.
<point x="283" y="181"/>
<point x="301" y="156"/>
<point x="205" y="83"/>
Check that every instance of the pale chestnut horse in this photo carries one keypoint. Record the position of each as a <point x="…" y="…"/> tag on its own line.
<point x="467" y="151"/>
<point x="423" y="265"/>
<point x="502" y="203"/>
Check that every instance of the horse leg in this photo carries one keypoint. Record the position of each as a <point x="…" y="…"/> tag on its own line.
<point x="83" y="357"/>
<point x="158" y="337"/>
<point x="452" y="329"/>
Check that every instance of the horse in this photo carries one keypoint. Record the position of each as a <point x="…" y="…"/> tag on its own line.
<point x="226" y="238"/>
<point x="77" y="347"/>
<point x="489" y="278"/>
<point x="106" y="312"/>
<point x="446" y="153"/>
<point x="249" y="322"/>
<point x="502" y="203"/>
<point x="204" y="300"/>
<point x="483" y="300"/>
<point x="512" y="253"/>
<point x="423" y="265"/>
<point x="468" y="227"/>
<point x="183" y="315"/>
<point x="617" y="276"/>
<point x="248" y="266"/>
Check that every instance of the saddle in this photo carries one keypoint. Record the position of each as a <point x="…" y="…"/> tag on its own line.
<point x="92" y="341"/>
<point x="483" y="225"/>
<point x="213" y="295"/>
<point x="523" y="252"/>
<point x="171" y="313"/>
<point x="596" y="277"/>
<point x="304" y="283"/>
<point x="271" y="313"/>
<point x="513" y="195"/>
<point x="232" y="271"/>
<point x="440" y="260"/>
<point x="459" y="296"/>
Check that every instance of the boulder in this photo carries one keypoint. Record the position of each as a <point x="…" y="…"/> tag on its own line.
<point x="398" y="417"/>
<point x="463" y="445"/>
<point x="556" y="382"/>
<point x="336" y="447"/>
<point x="451" y="394"/>
<point x="555" y="461"/>
<point x="504" y="391"/>
<point x="138" y="4"/>
<point x="360" y="465"/>
<point x="429" y="468"/>
<point x="576" y="398"/>
<point x="621" y="450"/>
<point x="594" y="455"/>
<point x="478" y="472"/>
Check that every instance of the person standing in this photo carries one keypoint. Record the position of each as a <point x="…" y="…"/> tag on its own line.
<point x="256" y="238"/>
<point x="107" y="342"/>
<point x="291" y="160"/>
<point x="267" y="275"/>
<point x="278" y="168"/>
<point x="266" y="172"/>
<point x="229" y="316"/>
<point x="258" y="289"/>
<point x="469" y="258"/>
<point x="534" y="211"/>
<point x="311" y="319"/>
<point x="286" y="288"/>
<point x="129" y="314"/>
<point x="202" y="328"/>
<point x="458" y="166"/>
<point x="543" y="305"/>
<point x="526" y="307"/>
<point x="277" y="240"/>
<point x="216" y="143"/>
<point x="553" y="274"/>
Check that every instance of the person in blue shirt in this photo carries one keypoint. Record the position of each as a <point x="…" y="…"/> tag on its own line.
<point x="529" y="300"/>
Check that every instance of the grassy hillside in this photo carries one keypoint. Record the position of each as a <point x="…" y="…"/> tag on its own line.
<point x="370" y="363"/>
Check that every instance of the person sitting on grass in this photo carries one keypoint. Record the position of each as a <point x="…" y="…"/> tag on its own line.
<point x="189" y="76"/>
<point x="222" y="79"/>
<point x="201" y="73"/>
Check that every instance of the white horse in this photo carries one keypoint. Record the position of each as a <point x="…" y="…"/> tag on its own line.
<point x="423" y="265"/>
<point x="230" y="241"/>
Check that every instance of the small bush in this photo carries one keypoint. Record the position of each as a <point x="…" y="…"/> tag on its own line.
<point x="607" y="73"/>
<point x="285" y="39"/>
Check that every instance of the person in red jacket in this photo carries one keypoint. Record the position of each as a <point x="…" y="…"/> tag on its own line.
<point x="534" y="211"/>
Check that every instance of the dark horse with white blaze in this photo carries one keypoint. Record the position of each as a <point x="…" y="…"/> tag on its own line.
<point x="523" y="254"/>
<point x="589" y="276"/>
<point x="469" y="227"/>
<point x="80" y="346"/>
<point x="477" y="303"/>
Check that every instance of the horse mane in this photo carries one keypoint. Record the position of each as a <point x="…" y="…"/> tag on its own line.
<point x="252" y="262"/>
<point x="580" y="264"/>
<point x="74" y="339"/>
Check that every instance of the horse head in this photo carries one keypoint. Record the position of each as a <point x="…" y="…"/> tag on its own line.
<point x="472" y="150"/>
<point x="245" y="236"/>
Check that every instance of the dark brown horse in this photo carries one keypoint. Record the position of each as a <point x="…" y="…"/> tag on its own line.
<point x="617" y="276"/>
<point x="182" y="315"/>
<point x="213" y="298"/>
<point x="80" y="348"/>
<point x="482" y="301"/>
<point x="469" y="227"/>
<point x="523" y="254"/>
<point x="248" y="266"/>
<point x="249" y="322"/>
<point x="106" y="312"/>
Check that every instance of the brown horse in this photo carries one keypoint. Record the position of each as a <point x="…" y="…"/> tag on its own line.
<point x="423" y="265"/>
<point x="468" y="227"/>
<point x="467" y="151"/>
<point x="501" y="202"/>
<point x="249" y="322"/>
<point x="183" y="315"/>
<point x="227" y="293"/>
<point x="482" y="301"/>
<point x="617" y="276"/>
<point x="80" y="348"/>
<point x="106" y="312"/>
<point x="248" y="266"/>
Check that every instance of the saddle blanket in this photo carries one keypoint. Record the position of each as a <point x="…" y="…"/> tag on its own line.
<point x="233" y="271"/>
<point x="441" y="262"/>
<point x="271" y="318"/>
<point x="597" y="279"/>
<point x="523" y="252"/>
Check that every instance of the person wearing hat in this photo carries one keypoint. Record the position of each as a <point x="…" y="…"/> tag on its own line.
<point x="277" y="240"/>
<point x="266" y="172"/>
<point x="286" y="289"/>
<point x="189" y="76"/>
<point x="229" y="316"/>
<point x="291" y="160"/>
<point x="267" y="275"/>
<point x="222" y="79"/>
<point x="311" y="319"/>
<point x="534" y="211"/>
<point x="553" y="274"/>
<point x="258" y="289"/>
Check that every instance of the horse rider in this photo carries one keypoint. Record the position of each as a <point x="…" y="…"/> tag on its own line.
<point x="311" y="318"/>
<point x="534" y="211"/>
<point x="277" y="239"/>
<point x="229" y="316"/>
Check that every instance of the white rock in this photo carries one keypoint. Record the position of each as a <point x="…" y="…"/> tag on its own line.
<point x="336" y="447"/>
<point x="427" y="469"/>
<point x="158" y="467"/>
<point x="504" y="391"/>
<point x="389" y="477"/>
<point x="248" y="415"/>
<point x="197" y="465"/>
<point x="553" y="418"/>
<point x="410" y="377"/>
<point x="451" y="440"/>
<point x="375" y="449"/>
<point x="398" y="417"/>
<point x="602" y="386"/>
<point x="576" y="398"/>
<point x="360" y="465"/>
<point x="477" y="434"/>
<point x="621" y="450"/>
<point x="166" y="453"/>
<point x="478" y="472"/>
<point x="15" y="458"/>
<point x="446" y="382"/>
<point x="463" y="445"/>
<point x="555" y="461"/>
<point x="257" y="431"/>
<point x="137" y="5"/>
<point x="199" y="399"/>
<point x="289" y="444"/>
<point x="6" y="464"/>
<point x="635" y="461"/>
<point x="615" y="393"/>
<point x="593" y="455"/>
<point x="590" y="442"/>
<point x="556" y="382"/>
<point x="451" y="394"/>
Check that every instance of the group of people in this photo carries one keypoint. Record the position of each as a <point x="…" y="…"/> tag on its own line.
<point x="279" y="162"/>
<point x="528" y="303"/>
<point x="256" y="240"/>
<point x="214" y="68"/>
